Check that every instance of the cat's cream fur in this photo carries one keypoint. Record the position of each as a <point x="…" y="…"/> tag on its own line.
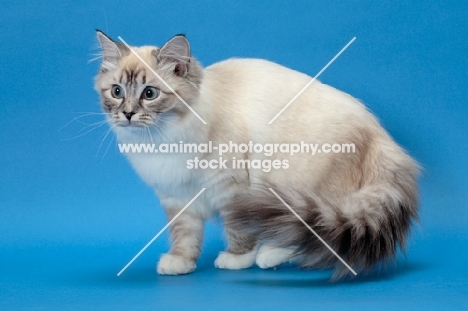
<point x="362" y="204"/>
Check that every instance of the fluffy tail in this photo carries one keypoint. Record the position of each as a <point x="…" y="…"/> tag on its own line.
<point x="364" y="228"/>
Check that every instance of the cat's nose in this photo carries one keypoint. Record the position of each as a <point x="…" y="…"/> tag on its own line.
<point x="128" y="115"/>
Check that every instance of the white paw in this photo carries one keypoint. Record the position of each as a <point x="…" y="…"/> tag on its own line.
<point x="230" y="261"/>
<point x="269" y="256"/>
<point x="173" y="265"/>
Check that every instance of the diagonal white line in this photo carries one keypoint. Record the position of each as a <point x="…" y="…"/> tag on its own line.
<point x="312" y="230"/>
<point x="160" y="232"/>
<point x="164" y="82"/>
<point x="311" y="81"/>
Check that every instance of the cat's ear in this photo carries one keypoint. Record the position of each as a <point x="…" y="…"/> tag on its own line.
<point x="112" y="51"/>
<point x="176" y="50"/>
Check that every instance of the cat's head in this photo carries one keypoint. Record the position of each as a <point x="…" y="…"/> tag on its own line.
<point x="133" y="95"/>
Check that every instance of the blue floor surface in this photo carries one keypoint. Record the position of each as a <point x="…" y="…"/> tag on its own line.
<point x="83" y="277"/>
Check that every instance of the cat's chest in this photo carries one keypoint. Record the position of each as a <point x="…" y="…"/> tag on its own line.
<point x="162" y="170"/>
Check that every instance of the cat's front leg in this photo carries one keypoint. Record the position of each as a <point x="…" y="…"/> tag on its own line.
<point x="186" y="234"/>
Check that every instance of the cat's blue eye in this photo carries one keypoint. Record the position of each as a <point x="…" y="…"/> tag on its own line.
<point x="150" y="93"/>
<point x="117" y="91"/>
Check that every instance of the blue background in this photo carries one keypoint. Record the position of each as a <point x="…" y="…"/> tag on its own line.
<point x="73" y="214"/>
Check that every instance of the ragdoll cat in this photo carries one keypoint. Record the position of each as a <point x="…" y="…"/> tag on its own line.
<point x="362" y="204"/>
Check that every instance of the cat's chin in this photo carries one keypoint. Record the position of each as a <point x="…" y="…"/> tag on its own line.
<point x="130" y="128"/>
<point x="130" y="134"/>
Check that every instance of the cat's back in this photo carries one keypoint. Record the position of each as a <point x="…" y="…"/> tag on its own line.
<point x="244" y="70"/>
<point x="255" y="90"/>
<point x="254" y="87"/>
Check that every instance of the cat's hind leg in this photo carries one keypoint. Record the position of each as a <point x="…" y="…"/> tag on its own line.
<point x="241" y="252"/>
<point x="270" y="256"/>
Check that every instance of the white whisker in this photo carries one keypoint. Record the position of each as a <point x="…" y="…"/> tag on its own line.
<point x="149" y="135"/>
<point x="165" y="121"/>
<point x="158" y="131"/>
<point x="106" y="134"/>
<point x="97" y="124"/>
<point x="173" y="124"/>
<point x="83" y="134"/>
<point x="164" y="132"/>
<point x="85" y="114"/>
<point x="108" y="146"/>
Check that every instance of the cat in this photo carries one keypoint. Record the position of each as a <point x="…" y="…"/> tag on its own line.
<point x="361" y="203"/>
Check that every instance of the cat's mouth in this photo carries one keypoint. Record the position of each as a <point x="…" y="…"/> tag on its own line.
<point x="132" y="124"/>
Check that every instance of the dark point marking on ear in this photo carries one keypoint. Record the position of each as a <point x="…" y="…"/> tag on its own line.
<point x="112" y="51"/>
<point x="102" y="32"/>
<point x="176" y="50"/>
